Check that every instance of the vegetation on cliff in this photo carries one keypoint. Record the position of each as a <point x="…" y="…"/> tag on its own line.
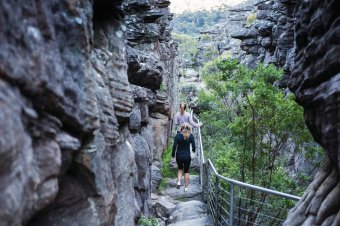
<point x="194" y="22"/>
<point x="187" y="46"/>
<point x="250" y="123"/>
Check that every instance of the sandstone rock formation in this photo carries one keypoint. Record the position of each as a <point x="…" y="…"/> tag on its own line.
<point x="269" y="38"/>
<point x="315" y="81"/>
<point x="77" y="140"/>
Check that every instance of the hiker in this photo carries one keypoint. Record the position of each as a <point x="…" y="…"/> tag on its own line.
<point x="182" y="116"/>
<point x="181" y="148"/>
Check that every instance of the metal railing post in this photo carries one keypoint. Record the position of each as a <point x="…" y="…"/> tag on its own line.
<point x="217" y="207"/>
<point x="203" y="173"/>
<point x="231" y="207"/>
<point x="200" y="158"/>
<point x="207" y="177"/>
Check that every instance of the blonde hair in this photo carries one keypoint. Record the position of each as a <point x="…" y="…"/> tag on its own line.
<point x="186" y="126"/>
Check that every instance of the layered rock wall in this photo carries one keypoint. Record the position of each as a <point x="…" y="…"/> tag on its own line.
<point x="316" y="80"/>
<point x="82" y="117"/>
<point x="269" y="38"/>
<point x="222" y="38"/>
<point x="152" y="66"/>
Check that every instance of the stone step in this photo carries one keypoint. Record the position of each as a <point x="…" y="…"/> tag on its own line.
<point x="193" y="193"/>
<point x="194" y="179"/>
<point x="202" y="221"/>
<point x="176" y="207"/>
<point x="190" y="213"/>
<point x="162" y="206"/>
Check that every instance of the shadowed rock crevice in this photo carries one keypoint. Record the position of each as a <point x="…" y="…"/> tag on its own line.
<point x="104" y="10"/>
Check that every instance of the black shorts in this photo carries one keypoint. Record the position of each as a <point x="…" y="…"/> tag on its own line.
<point x="183" y="162"/>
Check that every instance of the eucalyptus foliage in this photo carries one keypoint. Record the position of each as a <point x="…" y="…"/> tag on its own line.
<point x="148" y="221"/>
<point x="193" y="22"/>
<point x="249" y="123"/>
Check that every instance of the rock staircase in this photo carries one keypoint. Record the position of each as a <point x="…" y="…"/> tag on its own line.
<point x="175" y="207"/>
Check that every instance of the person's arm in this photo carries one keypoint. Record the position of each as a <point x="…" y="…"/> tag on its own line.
<point x="192" y="121"/>
<point x="176" y="119"/>
<point x="192" y="140"/>
<point x="174" y="147"/>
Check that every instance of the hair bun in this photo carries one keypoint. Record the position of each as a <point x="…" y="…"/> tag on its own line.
<point x="186" y="126"/>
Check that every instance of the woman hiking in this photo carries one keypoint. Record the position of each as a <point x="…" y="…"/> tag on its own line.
<point x="181" y="148"/>
<point x="183" y="116"/>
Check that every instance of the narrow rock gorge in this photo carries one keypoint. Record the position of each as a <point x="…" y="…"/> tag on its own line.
<point x="88" y="89"/>
<point x="83" y="118"/>
<point x="302" y="38"/>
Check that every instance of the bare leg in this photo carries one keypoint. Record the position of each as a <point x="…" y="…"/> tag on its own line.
<point x="186" y="179"/>
<point x="179" y="175"/>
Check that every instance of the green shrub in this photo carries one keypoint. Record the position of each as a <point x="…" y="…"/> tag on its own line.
<point x="166" y="171"/>
<point x="195" y="22"/>
<point x="162" y="184"/>
<point x="148" y="221"/>
<point x="162" y="87"/>
<point x="250" y="19"/>
<point x="247" y="122"/>
<point x="206" y="38"/>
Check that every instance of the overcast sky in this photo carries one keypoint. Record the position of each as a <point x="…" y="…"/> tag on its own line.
<point x="179" y="6"/>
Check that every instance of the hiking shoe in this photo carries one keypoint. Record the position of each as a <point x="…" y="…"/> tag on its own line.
<point x="178" y="185"/>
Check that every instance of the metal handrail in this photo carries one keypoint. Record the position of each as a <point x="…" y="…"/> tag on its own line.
<point x="200" y="147"/>
<point x="254" y="187"/>
<point x="214" y="204"/>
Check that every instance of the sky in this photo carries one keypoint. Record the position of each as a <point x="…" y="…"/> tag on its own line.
<point x="179" y="6"/>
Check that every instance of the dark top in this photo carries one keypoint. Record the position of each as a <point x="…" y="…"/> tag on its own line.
<point x="182" y="145"/>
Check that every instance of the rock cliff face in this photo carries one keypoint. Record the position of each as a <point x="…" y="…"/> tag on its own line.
<point x="253" y="32"/>
<point x="316" y="80"/>
<point x="220" y="39"/>
<point x="82" y="118"/>
<point x="269" y="38"/>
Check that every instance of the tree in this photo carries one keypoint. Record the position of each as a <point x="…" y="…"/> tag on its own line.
<point x="248" y="123"/>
